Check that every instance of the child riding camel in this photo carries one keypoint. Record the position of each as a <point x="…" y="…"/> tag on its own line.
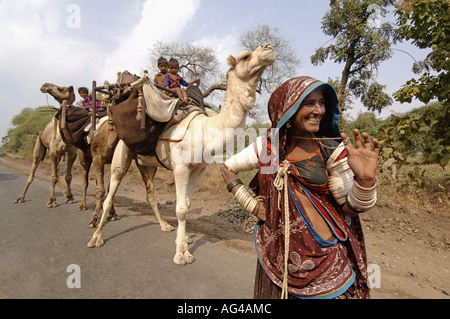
<point x="174" y="81"/>
<point x="163" y="67"/>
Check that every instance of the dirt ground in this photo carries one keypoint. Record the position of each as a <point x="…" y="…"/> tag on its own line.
<point x="408" y="247"/>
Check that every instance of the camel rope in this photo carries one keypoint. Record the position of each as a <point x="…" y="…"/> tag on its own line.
<point x="280" y="182"/>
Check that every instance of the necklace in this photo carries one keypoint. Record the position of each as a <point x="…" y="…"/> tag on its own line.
<point x="299" y="137"/>
<point x="314" y="138"/>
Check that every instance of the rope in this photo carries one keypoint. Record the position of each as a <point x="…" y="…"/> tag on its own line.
<point x="280" y="182"/>
<point x="273" y="81"/>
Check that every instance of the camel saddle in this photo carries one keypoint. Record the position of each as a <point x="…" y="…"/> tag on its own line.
<point x="72" y="127"/>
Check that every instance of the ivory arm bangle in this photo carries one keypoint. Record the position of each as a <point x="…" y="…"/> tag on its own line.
<point x="361" y="199"/>
<point x="246" y="199"/>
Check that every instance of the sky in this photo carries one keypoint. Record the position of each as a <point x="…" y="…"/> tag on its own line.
<point x="74" y="42"/>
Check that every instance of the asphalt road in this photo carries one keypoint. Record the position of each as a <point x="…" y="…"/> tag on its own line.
<point x="44" y="255"/>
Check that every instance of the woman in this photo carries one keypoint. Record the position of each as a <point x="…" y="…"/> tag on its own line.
<point x="311" y="186"/>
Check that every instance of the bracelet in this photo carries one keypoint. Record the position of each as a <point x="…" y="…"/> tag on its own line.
<point x="365" y="188"/>
<point x="246" y="199"/>
<point x="234" y="183"/>
<point x="361" y="199"/>
<point x="350" y="205"/>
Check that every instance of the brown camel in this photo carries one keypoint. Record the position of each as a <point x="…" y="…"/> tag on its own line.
<point x="99" y="152"/>
<point x="50" y="139"/>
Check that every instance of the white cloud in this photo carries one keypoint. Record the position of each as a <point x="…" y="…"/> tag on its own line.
<point x="159" y="21"/>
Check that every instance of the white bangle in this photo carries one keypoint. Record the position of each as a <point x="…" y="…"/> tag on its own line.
<point x="361" y="199"/>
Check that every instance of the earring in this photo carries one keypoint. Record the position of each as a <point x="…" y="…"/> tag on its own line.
<point x="288" y="124"/>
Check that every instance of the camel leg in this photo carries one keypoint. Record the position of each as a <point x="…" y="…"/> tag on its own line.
<point x="194" y="180"/>
<point x="99" y="167"/>
<point x="54" y="163"/>
<point x="38" y="155"/>
<point x="148" y="175"/>
<point x="120" y="164"/>
<point x="85" y="162"/>
<point x="71" y="157"/>
<point x="182" y="255"/>
<point x="99" y="192"/>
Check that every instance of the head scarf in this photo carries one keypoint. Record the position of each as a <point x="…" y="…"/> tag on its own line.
<point x="287" y="99"/>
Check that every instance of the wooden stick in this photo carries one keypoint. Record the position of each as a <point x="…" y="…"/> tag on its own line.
<point x="94" y="107"/>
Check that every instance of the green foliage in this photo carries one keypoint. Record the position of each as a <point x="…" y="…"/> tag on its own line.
<point x="420" y="132"/>
<point x="345" y="101"/>
<point x="28" y="123"/>
<point x="361" y="45"/>
<point x="427" y="24"/>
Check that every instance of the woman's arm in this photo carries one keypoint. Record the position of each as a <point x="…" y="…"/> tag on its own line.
<point x="245" y="160"/>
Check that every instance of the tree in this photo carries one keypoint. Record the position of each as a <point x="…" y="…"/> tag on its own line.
<point x="361" y="43"/>
<point x="28" y="123"/>
<point x="427" y="24"/>
<point x="284" y="68"/>
<point x="287" y="62"/>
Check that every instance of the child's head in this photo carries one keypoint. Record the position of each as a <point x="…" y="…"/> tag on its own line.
<point x="84" y="92"/>
<point x="174" y="67"/>
<point x="163" y="65"/>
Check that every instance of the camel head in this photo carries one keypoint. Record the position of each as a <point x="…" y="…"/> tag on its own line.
<point x="248" y="67"/>
<point x="59" y="93"/>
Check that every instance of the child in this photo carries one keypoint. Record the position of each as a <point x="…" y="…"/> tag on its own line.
<point x="87" y="100"/>
<point x="174" y="81"/>
<point x="163" y="66"/>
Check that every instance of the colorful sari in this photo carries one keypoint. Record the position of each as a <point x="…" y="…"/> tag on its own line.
<point x="316" y="267"/>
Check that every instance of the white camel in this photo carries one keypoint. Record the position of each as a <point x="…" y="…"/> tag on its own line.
<point x="244" y="73"/>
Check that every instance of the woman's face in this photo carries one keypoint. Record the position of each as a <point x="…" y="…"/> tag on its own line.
<point x="308" y="117"/>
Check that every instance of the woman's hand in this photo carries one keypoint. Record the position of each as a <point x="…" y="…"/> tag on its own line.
<point x="363" y="160"/>
<point x="228" y="175"/>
